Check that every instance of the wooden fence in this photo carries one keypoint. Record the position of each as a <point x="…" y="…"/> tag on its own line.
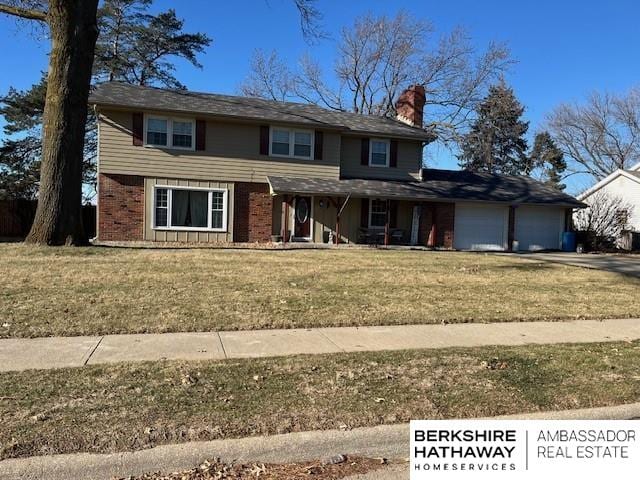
<point x="16" y="217"/>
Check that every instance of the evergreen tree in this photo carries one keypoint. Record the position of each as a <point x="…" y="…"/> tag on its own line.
<point x="133" y="47"/>
<point x="548" y="159"/>
<point x="496" y="142"/>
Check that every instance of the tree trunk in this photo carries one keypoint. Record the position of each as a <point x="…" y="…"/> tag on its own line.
<point x="73" y="30"/>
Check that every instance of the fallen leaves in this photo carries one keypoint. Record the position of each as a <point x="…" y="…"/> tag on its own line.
<point x="337" y="467"/>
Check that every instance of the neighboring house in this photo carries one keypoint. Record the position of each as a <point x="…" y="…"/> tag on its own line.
<point x="623" y="184"/>
<point x="186" y="166"/>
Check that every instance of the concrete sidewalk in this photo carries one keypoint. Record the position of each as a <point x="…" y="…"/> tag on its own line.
<point x="58" y="352"/>
<point x="388" y="441"/>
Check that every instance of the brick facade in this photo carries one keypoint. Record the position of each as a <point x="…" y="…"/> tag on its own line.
<point x="120" y="207"/>
<point x="443" y="216"/>
<point x="252" y="212"/>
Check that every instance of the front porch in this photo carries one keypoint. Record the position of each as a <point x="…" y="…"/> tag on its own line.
<point x="366" y="212"/>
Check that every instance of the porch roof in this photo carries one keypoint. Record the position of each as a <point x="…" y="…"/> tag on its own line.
<point x="438" y="185"/>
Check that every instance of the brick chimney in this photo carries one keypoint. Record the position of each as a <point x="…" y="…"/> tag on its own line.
<point x="410" y="105"/>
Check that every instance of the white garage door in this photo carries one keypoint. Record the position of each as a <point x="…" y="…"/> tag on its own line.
<point x="539" y="228"/>
<point x="480" y="227"/>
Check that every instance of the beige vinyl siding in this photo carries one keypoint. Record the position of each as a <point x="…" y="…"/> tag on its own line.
<point x="409" y="161"/>
<point x="185" y="236"/>
<point x="232" y="154"/>
<point x="325" y="219"/>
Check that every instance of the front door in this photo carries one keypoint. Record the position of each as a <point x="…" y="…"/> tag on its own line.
<point x="302" y="218"/>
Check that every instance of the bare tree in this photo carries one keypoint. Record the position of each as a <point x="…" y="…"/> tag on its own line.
<point x="604" y="220"/>
<point x="377" y="58"/>
<point x="601" y="135"/>
<point x="269" y="78"/>
<point x="73" y="32"/>
<point x="310" y="20"/>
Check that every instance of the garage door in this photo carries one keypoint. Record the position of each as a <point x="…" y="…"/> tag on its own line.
<point x="480" y="227"/>
<point x="539" y="228"/>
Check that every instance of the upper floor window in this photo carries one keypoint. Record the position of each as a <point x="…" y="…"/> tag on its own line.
<point x="379" y="153"/>
<point x="169" y="132"/>
<point x="291" y="143"/>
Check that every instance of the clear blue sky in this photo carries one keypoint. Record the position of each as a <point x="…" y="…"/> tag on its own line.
<point x="564" y="48"/>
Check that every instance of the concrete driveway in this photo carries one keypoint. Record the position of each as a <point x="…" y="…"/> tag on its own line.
<point x="624" y="264"/>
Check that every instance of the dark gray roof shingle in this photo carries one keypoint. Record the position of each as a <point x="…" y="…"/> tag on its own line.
<point x="131" y="96"/>
<point x="437" y="185"/>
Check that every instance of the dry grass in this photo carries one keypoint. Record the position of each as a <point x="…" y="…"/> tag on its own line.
<point x="134" y="406"/>
<point x="88" y="291"/>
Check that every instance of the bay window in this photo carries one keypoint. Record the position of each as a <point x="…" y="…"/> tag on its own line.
<point x="169" y="132"/>
<point x="190" y="208"/>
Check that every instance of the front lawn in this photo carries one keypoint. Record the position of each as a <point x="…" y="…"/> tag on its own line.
<point x="90" y="291"/>
<point x="133" y="406"/>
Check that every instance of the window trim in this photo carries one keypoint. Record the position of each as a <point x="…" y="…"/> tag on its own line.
<point x="169" y="227"/>
<point x="170" y="120"/>
<point x="371" y="200"/>
<point x="387" y="142"/>
<point x="292" y="142"/>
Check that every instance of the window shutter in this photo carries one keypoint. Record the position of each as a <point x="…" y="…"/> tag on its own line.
<point x="364" y="212"/>
<point x="364" y="152"/>
<point x="137" y="128"/>
<point x="393" y="214"/>
<point x="317" y="146"/>
<point x="393" y="160"/>
<point x="264" y="140"/>
<point x="201" y="134"/>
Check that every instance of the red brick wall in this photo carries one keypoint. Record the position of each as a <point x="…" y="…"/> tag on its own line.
<point x="444" y="215"/>
<point x="120" y="207"/>
<point x="252" y="212"/>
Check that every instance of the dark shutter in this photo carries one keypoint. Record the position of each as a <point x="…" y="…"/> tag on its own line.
<point x="264" y="140"/>
<point x="393" y="214"/>
<point x="137" y="128"/>
<point x="364" y="152"/>
<point x="318" y="144"/>
<point x="364" y="213"/>
<point x="393" y="161"/>
<point x="201" y="134"/>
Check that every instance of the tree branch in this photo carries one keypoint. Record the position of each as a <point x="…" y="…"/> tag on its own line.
<point x="23" y="13"/>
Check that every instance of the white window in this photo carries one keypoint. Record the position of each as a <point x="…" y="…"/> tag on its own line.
<point x="157" y="131"/>
<point x="302" y="144"/>
<point x="190" y="208"/>
<point x="280" y="142"/>
<point x="169" y="132"/>
<point x="377" y="213"/>
<point x="291" y="143"/>
<point x="379" y="153"/>
<point x="182" y="134"/>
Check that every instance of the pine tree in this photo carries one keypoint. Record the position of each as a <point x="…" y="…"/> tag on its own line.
<point x="496" y="142"/>
<point x="548" y="159"/>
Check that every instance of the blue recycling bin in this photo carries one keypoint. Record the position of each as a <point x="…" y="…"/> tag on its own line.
<point x="568" y="241"/>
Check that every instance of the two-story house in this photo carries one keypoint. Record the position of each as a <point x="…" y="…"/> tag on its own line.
<point x="195" y="167"/>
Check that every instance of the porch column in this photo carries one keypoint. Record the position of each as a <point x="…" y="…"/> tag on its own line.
<point x="285" y="223"/>
<point x="338" y="212"/>
<point x="386" y="223"/>
<point x="431" y="241"/>
<point x="511" y="228"/>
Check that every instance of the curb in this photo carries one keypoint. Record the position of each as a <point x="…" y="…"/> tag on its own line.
<point x="389" y="441"/>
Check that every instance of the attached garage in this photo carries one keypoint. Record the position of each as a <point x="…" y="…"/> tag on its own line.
<point x="480" y="226"/>
<point x="538" y="228"/>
